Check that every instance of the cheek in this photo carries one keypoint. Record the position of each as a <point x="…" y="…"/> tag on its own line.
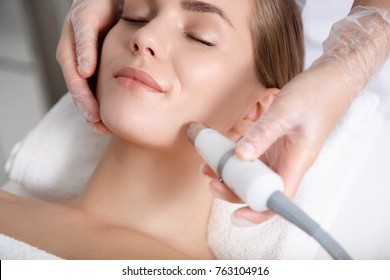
<point x="218" y="90"/>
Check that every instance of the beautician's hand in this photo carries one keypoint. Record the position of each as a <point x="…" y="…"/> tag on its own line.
<point x="77" y="51"/>
<point x="292" y="132"/>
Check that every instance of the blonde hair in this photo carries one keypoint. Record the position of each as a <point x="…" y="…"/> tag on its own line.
<point x="277" y="36"/>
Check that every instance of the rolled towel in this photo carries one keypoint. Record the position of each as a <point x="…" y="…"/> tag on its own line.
<point x="57" y="157"/>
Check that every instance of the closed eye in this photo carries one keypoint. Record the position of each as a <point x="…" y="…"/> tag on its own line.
<point x="136" y="21"/>
<point x="200" y="40"/>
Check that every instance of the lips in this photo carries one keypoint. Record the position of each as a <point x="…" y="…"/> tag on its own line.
<point x="137" y="80"/>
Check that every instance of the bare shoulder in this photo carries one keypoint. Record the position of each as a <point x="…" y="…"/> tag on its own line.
<point x="28" y="219"/>
<point x="19" y="206"/>
<point x="55" y="228"/>
<point x="72" y="234"/>
<point x="6" y="195"/>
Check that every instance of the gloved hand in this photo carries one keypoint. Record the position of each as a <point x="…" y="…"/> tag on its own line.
<point x="291" y="133"/>
<point x="77" y="51"/>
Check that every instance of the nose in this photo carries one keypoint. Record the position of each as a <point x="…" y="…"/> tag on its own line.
<point x="149" y="40"/>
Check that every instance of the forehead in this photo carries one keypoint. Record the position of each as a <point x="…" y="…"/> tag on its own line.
<point x="231" y="10"/>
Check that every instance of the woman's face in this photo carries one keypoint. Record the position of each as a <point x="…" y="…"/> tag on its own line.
<point x="168" y="63"/>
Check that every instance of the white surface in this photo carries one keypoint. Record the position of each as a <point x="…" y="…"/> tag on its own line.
<point x="362" y="226"/>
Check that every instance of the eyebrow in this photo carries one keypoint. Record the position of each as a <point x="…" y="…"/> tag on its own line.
<point x="203" y="7"/>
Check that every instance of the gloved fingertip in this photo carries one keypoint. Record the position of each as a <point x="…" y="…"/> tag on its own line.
<point x="100" y="128"/>
<point x="246" y="151"/>
<point x="90" y="117"/>
<point x="203" y="170"/>
<point x="84" y="69"/>
<point x="214" y="191"/>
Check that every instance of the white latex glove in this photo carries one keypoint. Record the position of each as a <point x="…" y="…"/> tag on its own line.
<point x="77" y="51"/>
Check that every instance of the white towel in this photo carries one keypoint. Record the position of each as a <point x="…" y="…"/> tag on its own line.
<point x="12" y="249"/>
<point x="56" y="158"/>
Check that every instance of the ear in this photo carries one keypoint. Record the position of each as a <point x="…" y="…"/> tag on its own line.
<point x="256" y="110"/>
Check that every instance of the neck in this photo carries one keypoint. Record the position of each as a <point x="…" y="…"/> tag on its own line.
<point x="158" y="192"/>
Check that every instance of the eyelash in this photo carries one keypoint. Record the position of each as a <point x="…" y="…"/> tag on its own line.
<point x="188" y="35"/>
<point x="135" y="21"/>
<point x="199" y="40"/>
